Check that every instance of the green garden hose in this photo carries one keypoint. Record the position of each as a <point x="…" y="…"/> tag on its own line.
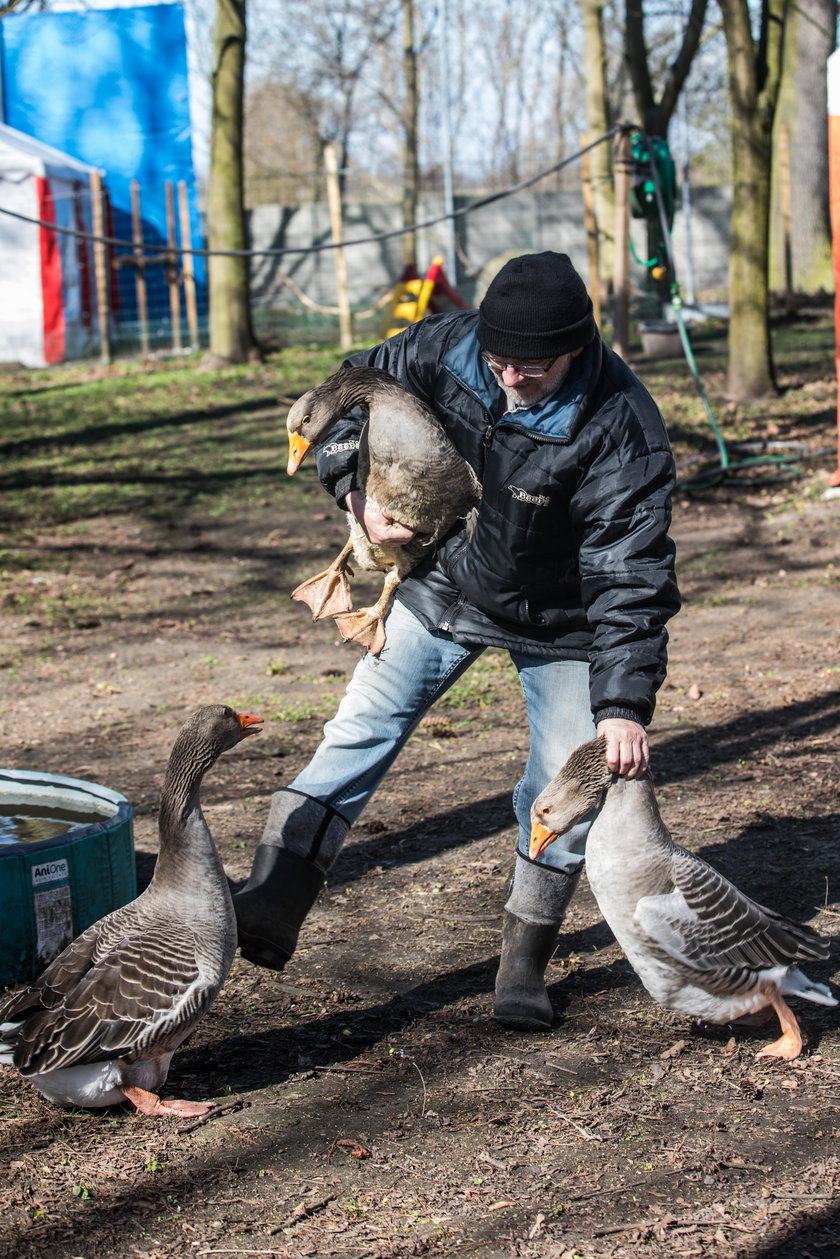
<point x="726" y="467"/>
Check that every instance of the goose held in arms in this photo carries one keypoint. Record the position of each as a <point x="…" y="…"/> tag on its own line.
<point x="102" y="1022"/>
<point x="698" y="944"/>
<point x="408" y="468"/>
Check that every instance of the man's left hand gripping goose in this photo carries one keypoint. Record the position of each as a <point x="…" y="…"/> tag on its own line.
<point x="101" y="1024"/>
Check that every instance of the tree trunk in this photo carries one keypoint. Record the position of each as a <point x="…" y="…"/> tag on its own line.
<point x="754" y="74"/>
<point x="411" y="161"/>
<point x="597" y="123"/>
<point x="802" y="110"/>
<point x="655" y="115"/>
<point x="231" y="336"/>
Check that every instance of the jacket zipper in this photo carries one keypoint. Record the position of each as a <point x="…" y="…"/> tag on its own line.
<point x="450" y="614"/>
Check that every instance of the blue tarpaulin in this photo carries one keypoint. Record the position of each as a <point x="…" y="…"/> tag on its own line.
<point x="109" y="87"/>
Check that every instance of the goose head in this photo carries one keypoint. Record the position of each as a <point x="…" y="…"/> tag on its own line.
<point x="210" y="731"/>
<point x="575" y="791"/>
<point x="313" y="415"/>
<point x="308" y="422"/>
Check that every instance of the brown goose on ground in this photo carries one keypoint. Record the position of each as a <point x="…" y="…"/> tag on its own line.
<point x="408" y="468"/>
<point x="698" y="944"/>
<point x="101" y="1024"/>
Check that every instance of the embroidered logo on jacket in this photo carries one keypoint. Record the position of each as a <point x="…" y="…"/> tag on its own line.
<point x="335" y="448"/>
<point x="522" y="496"/>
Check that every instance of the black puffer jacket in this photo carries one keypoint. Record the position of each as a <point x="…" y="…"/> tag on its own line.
<point x="570" y="556"/>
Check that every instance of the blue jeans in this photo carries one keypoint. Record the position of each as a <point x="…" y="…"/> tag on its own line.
<point x="389" y="694"/>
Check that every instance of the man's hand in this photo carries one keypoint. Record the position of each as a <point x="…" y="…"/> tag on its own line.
<point x="628" y="752"/>
<point x="379" y="528"/>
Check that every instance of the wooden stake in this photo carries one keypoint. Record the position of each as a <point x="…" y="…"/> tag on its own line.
<point x="188" y="262"/>
<point x="621" y="272"/>
<point x="100" y="267"/>
<point x="336" y="224"/>
<point x="591" y="231"/>
<point x="172" y="267"/>
<point x="139" y="271"/>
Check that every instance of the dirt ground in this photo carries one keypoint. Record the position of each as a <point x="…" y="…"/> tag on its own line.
<point x="368" y="1107"/>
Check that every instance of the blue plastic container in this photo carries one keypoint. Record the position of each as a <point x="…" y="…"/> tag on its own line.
<point x="52" y="889"/>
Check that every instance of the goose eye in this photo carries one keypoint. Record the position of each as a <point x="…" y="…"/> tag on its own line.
<point x="545" y="812"/>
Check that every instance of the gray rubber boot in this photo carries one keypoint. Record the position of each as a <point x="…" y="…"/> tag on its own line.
<point x="534" y="913"/>
<point x="301" y="841"/>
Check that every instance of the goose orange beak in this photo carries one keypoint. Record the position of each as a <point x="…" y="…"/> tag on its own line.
<point x="541" y="837"/>
<point x="248" y="725"/>
<point x="298" y="447"/>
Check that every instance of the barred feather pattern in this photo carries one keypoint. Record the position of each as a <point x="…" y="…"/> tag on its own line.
<point x="134" y="985"/>
<point x="697" y="942"/>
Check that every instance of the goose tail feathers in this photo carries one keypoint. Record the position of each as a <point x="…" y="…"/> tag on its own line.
<point x="9" y="1034"/>
<point x="797" y="984"/>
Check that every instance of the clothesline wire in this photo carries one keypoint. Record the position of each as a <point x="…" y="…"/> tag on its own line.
<point x="478" y="204"/>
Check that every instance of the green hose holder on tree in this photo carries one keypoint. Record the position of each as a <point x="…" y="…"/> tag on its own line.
<point x="648" y="152"/>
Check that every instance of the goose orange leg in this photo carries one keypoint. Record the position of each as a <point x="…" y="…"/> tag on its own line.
<point x="151" y="1104"/>
<point x="328" y="593"/>
<point x="367" y="626"/>
<point x="789" y="1044"/>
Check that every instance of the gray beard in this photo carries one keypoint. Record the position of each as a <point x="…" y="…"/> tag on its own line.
<point x="515" y="400"/>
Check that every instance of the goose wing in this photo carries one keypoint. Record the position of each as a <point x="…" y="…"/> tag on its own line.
<point x="141" y="999"/>
<point x="61" y="976"/>
<point x="706" y="923"/>
<point x="363" y="464"/>
<point x="418" y="476"/>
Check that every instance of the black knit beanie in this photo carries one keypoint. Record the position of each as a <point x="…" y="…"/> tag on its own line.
<point x="537" y="307"/>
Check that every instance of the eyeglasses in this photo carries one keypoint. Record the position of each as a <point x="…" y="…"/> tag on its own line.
<point x="532" y="370"/>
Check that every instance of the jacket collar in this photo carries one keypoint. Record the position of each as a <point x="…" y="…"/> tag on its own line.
<point x="557" y="416"/>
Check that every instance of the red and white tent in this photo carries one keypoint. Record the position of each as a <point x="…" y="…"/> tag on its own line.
<point x="47" y="294"/>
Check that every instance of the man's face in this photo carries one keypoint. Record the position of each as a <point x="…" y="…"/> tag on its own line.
<point x="523" y="390"/>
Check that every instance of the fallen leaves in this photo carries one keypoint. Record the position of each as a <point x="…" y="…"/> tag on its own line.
<point x="352" y="1147"/>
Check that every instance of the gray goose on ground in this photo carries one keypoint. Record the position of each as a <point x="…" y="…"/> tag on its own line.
<point x="408" y="468"/>
<point x="102" y="1022"/>
<point x="698" y="944"/>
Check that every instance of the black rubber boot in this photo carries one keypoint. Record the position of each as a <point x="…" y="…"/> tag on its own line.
<point x="521" y="998"/>
<point x="271" y="906"/>
<point x="301" y="840"/>
<point x="534" y="914"/>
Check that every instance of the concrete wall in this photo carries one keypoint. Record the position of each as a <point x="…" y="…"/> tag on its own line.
<point x="523" y="223"/>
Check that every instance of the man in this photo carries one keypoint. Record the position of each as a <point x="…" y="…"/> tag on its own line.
<point x="566" y="564"/>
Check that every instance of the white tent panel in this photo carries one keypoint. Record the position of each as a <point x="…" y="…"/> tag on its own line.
<point x="46" y="293"/>
<point x="21" y="298"/>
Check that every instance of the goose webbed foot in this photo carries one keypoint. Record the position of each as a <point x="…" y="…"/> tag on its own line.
<point x="367" y="626"/>
<point x="364" y="627"/>
<point x="327" y="593"/>
<point x="789" y="1044"/>
<point x="150" y="1104"/>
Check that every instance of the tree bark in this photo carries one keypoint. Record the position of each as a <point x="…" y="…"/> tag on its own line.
<point x="231" y="336"/>
<point x="411" y="160"/>
<point x="802" y="110"/>
<point x="598" y="122"/>
<point x="655" y="115"/>
<point x="754" y="70"/>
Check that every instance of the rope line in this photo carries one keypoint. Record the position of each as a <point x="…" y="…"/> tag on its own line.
<point x="478" y="204"/>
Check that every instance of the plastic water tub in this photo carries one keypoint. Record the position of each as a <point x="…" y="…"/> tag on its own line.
<point x="52" y="889"/>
